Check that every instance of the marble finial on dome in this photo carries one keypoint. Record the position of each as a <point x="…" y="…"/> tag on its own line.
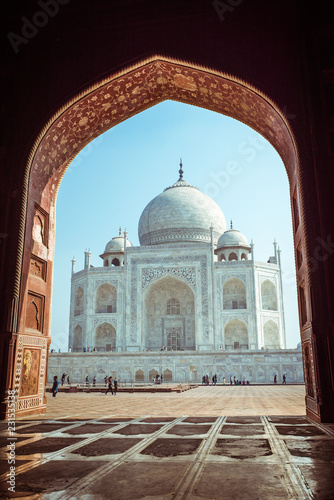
<point x="231" y="224"/>
<point x="181" y="170"/>
<point x="120" y="231"/>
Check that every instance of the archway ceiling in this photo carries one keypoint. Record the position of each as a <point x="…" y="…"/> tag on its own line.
<point x="106" y="104"/>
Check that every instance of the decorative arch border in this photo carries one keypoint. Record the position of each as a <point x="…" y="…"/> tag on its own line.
<point x="226" y="278"/>
<point x="268" y="278"/>
<point x="274" y="320"/>
<point x="186" y="274"/>
<point x="228" y="319"/>
<point x="100" y="321"/>
<point x="100" y="282"/>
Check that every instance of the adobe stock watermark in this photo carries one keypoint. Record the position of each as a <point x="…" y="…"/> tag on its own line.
<point x="248" y="149"/>
<point x="31" y="27"/>
<point x="225" y="7"/>
<point x="11" y="446"/>
<point x="321" y="253"/>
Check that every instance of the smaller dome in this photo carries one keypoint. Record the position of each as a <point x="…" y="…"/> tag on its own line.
<point x="232" y="238"/>
<point x="117" y="244"/>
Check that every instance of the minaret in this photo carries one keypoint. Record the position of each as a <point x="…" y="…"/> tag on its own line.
<point x="125" y="240"/>
<point x="252" y="249"/>
<point x="279" y="256"/>
<point x="281" y="298"/>
<point x="73" y="265"/>
<point x="87" y="259"/>
<point x="275" y="249"/>
<point x="256" y="310"/>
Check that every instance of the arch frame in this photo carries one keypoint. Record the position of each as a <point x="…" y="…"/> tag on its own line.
<point x="49" y="158"/>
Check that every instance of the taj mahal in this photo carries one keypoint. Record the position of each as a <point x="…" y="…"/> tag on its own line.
<point x="191" y="299"/>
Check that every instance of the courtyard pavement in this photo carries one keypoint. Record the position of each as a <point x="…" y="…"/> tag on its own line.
<point x="224" y="442"/>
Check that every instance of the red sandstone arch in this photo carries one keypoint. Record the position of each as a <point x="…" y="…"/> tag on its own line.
<point x="97" y="109"/>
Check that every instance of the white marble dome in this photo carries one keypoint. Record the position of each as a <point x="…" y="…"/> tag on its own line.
<point x="181" y="213"/>
<point x="232" y="238"/>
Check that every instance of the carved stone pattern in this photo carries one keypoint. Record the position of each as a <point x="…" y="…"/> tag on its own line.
<point x="37" y="267"/>
<point x="151" y="274"/>
<point x="166" y="235"/>
<point x="98" y="283"/>
<point x="230" y="317"/>
<point x="105" y="319"/>
<point x="226" y="277"/>
<point x="18" y="363"/>
<point x="24" y="404"/>
<point x="28" y="340"/>
<point x="120" y="97"/>
<point x="200" y="259"/>
<point x="42" y="217"/>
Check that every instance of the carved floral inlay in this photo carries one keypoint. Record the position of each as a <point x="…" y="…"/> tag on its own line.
<point x="186" y="273"/>
<point x="120" y="97"/>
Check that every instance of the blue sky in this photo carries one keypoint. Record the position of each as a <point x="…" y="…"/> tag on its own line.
<point x="110" y="182"/>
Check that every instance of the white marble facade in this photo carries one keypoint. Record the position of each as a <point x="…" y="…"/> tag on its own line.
<point x="190" y="286"/>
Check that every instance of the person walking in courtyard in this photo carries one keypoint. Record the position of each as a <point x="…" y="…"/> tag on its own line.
<point x="284" y="379"/>
<point x="109" y="386"/>
<point x="94" y="381"/>
<point x="275" y="379"/>
<point x="87" y="381"/>
<point x="55" y="386"/>
<point x="115" y="386"/>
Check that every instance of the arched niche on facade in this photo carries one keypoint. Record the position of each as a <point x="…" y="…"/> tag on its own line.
<point x="78" y="301"/>
<point x="234" y="294"/>
<point x="105" y="338"/>
<point x="139" y="376"/>
<point x="152" y="374"/>
<point x="271" y="335"/>
<point x="169" y="304"/>
<point x="77" y="339"/>
<point x="106" y="299"/>
<point x="269" y="296"/>
<point x="236" y="335"/>
<point x="168" y="375"/>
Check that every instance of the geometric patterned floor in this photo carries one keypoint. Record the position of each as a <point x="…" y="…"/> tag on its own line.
<point x="169" y="457"/>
